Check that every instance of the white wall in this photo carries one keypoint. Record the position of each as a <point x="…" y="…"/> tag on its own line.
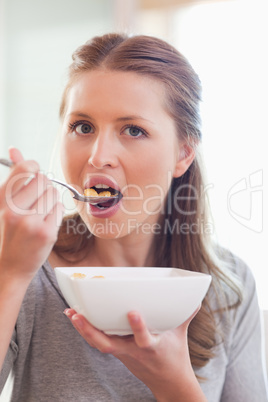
<point x="39" y="38"/>
<point x="2" y="72"/>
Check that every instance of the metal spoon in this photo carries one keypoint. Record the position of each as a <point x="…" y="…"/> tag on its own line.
<point x="76" y="194"/>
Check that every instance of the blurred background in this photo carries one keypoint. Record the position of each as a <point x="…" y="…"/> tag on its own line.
<point x="225" y="41"/>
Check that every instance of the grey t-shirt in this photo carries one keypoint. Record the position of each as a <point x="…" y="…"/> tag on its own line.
<point x="52" y="362"/>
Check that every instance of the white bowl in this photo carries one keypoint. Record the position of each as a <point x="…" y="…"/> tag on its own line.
<point x="165" y="297"/>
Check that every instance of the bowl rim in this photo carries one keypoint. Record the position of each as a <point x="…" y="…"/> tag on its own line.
<point x="181" y="274"/>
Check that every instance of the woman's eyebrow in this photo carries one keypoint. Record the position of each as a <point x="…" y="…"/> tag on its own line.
<point x="123" y="118"/>
<point x="133" y="117"/>
<point x="79" y="114"/>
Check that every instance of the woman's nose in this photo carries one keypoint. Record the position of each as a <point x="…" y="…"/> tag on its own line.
<point x="103" y="152"/>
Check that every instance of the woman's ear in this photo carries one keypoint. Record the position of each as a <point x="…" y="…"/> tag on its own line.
<point x="185" y="159"/>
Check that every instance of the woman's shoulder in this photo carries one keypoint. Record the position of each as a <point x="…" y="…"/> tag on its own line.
<point x="233" y="285"/>
<point x="234" y="266"/>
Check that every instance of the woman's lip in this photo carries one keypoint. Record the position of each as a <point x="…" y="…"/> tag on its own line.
<point x="94" y="180"/>
<point x="103" y="213"/>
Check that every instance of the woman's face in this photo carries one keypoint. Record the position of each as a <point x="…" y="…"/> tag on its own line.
<point x="117" y="133"/>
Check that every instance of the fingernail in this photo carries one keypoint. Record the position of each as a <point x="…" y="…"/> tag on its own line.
<point x="29" y="179"/>
<point x="77" y="321"/>
<point x="134" y="318"/>
<point x="67" y="312"/>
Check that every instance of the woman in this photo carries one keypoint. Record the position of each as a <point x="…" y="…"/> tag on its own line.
<point x="130" y="121"/>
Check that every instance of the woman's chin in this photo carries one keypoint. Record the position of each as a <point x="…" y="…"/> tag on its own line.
<point x="107" y="230"/>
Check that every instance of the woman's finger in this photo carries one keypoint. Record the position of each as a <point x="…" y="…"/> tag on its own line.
<point x="15" y="155"/>
<point x="46" y="201"/>
<point x="20" y="175"/>
<point x="91" y="334"/>
<point x="142" y="336"/>
<point x="22" y="170"/>
<point x="29" y="195"/>
<point x="54" y="217"/>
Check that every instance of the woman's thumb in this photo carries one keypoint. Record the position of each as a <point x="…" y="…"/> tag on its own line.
<point x="15" y="155"/>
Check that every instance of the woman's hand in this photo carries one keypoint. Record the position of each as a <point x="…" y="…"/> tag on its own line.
<point x="30" y="214"/>
<point x="160" y="361"/>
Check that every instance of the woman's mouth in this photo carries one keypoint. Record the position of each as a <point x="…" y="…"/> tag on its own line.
<point x="103" y="188"/>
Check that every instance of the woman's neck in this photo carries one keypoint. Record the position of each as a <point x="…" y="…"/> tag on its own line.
<point x="130" y="251"/>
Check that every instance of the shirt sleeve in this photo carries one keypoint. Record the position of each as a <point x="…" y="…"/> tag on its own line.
<point x="246" y="378"/>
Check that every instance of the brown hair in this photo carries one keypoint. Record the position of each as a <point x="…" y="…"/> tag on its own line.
<point x="190" y="249"/>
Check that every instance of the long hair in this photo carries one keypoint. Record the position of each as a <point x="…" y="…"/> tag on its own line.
<point x="185" y="239"/>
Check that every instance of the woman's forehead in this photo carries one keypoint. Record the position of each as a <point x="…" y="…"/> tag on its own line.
<point x="127" y="90"/>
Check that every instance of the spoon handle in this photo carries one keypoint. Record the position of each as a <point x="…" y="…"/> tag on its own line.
<point x="6" y="162"/>
<point x="76" y="194"/>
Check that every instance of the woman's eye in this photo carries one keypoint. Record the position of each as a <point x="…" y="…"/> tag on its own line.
<point x="82" y="128"/>
<point x="134" y="131"/>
